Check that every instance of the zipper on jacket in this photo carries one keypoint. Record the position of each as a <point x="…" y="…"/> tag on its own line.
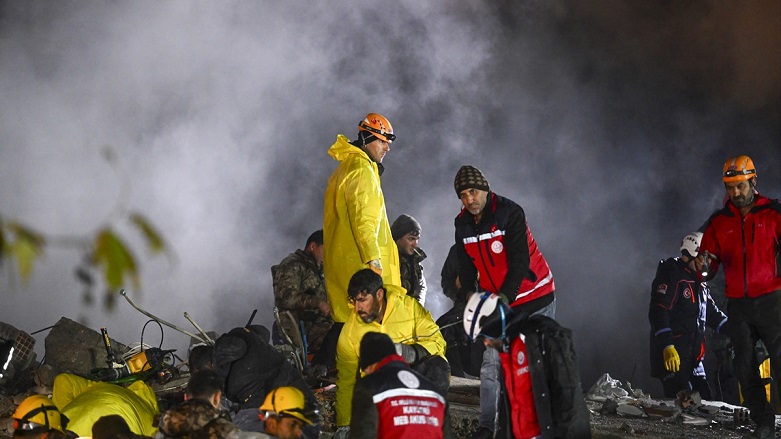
<point x="743" y="241"/>
<point x="482" y="259"/>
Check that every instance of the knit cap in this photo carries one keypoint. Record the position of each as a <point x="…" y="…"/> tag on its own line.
<point x="469" y="177"/>
<point x="405" y="224"/>
<point x="375" y="346"/>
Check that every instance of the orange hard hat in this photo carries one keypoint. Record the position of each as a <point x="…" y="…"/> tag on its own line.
<point x="738" y="168"/>
<point x="378" y="126"/>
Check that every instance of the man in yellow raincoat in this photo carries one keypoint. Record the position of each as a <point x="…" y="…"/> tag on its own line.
<point x="356" y="232"/>
<point x="387" y="309"/>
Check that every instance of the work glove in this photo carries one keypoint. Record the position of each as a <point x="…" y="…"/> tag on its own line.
<point x="342" y="433"/>
<point x="411" y="352"/>
<point x="375" y="266"/>
<point x="672" y="362"/>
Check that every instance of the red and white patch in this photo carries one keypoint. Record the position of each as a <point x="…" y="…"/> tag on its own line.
<point x="687" y="293"/>
<point x="520" y="358"/>
<point x="662" y="289"/>
<point x="497" y="247"/>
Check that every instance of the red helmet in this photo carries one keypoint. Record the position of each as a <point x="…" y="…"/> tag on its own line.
<point x="378" y="126"/>
<point x="738" y="168"/>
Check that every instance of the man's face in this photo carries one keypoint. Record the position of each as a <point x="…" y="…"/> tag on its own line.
<point x="317" y="252"/>
<point x="473" y="200"/>
<point x="377" y="150"/>
<point x="408" y="243"/>
<point x="284" y="427"/>
<point x="741" y="193"/>
<point x="368" y="307"/>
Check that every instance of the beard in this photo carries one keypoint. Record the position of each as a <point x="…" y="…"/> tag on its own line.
<point x="741" y="201"/>
<point x="368" y="317"/>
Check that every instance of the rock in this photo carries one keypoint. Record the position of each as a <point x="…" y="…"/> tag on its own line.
<point x="77" y="349"/>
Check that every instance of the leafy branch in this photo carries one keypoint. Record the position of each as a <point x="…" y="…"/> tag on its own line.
<point x="104" y="250"/>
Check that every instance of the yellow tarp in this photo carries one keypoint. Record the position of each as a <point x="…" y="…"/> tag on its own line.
<point x="84" y="402"/>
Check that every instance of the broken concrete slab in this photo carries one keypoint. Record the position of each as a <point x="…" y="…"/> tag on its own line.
<point x="74" y="348"/>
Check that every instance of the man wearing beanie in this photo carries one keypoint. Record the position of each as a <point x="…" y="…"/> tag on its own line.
<point x="497" y="253"/>
<point x="406" y="232"/>
<point x="392" y="400"/>
<point x="356" y="231"/>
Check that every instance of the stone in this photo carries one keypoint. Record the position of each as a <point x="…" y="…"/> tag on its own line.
<point x="74" y="348"/>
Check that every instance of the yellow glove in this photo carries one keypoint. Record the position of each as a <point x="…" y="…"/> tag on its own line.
<point x="376" y="266"/>
<point x="672" y="362"/>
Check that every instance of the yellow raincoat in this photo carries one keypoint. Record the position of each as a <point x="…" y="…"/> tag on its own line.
<point x="405" y="321"/>
<point x="355" y="225"/>
<point x="84" y="401"/>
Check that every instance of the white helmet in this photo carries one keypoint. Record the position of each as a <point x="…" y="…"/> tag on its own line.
<point x="478" y="312"/>
<point x="690" y="245"/>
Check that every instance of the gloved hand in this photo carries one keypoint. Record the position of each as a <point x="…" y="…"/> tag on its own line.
<point x="342" y="433"/>
<point x="672" y="362"/>
<point x="375" y="265"/>
<point x="412" y="353"/>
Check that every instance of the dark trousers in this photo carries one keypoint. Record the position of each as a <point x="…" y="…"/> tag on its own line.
<point x="750" y="320"/>
<point x="437" y="370"/>
<point x="687" y="378"/>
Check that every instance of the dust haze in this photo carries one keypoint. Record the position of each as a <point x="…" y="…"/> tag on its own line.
<point x="607" y="121"/>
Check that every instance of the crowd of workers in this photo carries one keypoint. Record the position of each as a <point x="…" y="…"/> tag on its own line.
<point x="356" y="292"/>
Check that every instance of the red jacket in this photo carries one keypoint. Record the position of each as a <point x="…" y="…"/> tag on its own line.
<point x="748" y="248"/>
<point x="502" y="250"/>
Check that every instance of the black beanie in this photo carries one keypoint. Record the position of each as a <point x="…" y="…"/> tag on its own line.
<point x="469" y="177"/>
<point x="375" y="346"/>
<point x="403" y="225"/>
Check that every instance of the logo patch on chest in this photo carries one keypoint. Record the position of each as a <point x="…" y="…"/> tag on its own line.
<point x="687" y="293"/>
<point x="408" y="379"/>
<point x="497" y="247"/>
<point x="520" y="358"/>
<point x="662" y="289"/>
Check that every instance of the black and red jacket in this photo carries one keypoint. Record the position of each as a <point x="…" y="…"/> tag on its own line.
<point x="502" y="250"/>
<point x="681" y="307"/>
<point x="748" y="248"/>
<point x="398" y="402"/>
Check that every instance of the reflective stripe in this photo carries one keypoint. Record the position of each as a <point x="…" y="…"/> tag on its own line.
<point x="482" y="237"/>
<point x="540" y="284"/>
<point x="392" y="393"/>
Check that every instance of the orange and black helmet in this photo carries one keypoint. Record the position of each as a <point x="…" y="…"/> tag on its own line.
<point x="376" y="125"/>
<point x="738" y="168"/>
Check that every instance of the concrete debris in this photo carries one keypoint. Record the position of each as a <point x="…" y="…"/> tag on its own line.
<point x="629" y="410"/>
<point x="606" y="388"/>
<point x="694" y="420"/>
<point x="627" y="428"/>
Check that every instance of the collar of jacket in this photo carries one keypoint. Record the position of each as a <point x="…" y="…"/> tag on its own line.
<point x="342" y="149"/>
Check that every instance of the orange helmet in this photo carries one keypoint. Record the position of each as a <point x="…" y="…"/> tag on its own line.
<point x="738" y="168"/>
<point x="378" y="126"/>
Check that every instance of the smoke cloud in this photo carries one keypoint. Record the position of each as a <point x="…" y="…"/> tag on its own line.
<point x="607" y="121"/>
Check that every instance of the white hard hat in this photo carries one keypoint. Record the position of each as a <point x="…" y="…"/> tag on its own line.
<point x="691" y="244"/>
<point x="479" y="308"/>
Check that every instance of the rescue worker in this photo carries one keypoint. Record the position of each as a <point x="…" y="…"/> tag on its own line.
<point x="406" y="232"/>
<point x="680" y="309"/>
<point x="283" y="413"/>
<point x="200" y="414"/>
<point x="37" y="417"/>
<point x="251" y="367"/>
<point x="299" y="289"/>
<point x="392" y="400"/>
<point x="356" y="233"/>
<point x="498" y="254"/>
<point x="540" y="391"/>
<point x="744" y="237"/>
<point x="386" y="309"/>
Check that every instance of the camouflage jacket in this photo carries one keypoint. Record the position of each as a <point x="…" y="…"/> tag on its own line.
<point x="299" y="286"/>
<point x="412" y="274"/>
<point x="196" y="419"/>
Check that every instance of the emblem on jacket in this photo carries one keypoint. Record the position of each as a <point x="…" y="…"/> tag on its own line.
<point x="408" y="379"/>
<point x="687" y="293"/>
<point x="662" y="289"/>
<point x="497" y="247"/>
<point x="520" y="358"/>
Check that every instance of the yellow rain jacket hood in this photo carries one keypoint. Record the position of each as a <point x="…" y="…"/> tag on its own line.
<point x="355" y="225"/>
<point x="405" y="321"/>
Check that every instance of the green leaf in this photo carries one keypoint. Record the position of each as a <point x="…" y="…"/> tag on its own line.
<point x="153" y="238"/>
<point x="26" y="248"/>
<point x="115" y="259"/>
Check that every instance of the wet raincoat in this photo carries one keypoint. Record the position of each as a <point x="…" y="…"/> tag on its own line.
<point x="355" y="225"/>
<point x="404" y="319"/>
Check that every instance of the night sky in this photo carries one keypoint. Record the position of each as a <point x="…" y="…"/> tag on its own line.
<point x="608" y="121"/>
